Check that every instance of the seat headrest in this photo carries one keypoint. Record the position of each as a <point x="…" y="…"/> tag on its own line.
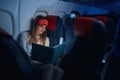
<point x="83" y="26"/>
<point x="52" y="22"/>
<point x="104" y="19"/>
<point x="4" y="33"/>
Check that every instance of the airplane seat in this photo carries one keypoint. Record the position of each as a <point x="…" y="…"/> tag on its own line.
<point x="15" y="64"/>
<point x="55" y="30"/>
<point x="84" y="59"/>
<point x="110" y="26"/>
<point x="111" y="69"/>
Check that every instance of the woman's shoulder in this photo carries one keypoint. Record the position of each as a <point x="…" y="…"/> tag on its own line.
<point x="24" y="34"/>
<point x="47" y="38"/>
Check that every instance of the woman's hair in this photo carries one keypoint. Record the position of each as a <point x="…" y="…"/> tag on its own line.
<point x="33" y="30"/>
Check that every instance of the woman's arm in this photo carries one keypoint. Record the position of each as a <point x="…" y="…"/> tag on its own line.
<point x="47" y="42"/>
<point x="22" y="40"/>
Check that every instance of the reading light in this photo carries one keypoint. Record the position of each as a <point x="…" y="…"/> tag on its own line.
<point x="72" y="16"/>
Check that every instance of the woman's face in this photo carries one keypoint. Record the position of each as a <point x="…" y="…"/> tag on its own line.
<point x="41" y="29"/>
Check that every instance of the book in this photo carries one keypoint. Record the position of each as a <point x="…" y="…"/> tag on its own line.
<point x="46" y="54"/>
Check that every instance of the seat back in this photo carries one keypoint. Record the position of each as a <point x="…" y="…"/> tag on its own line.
<point x="111" y="69"/>
<point x="55" y="30"/>
<point x="15" y="64"/>
<point x="110" y="26"/>
<point x="91" y="38"/>
<point x="88" y="49"/>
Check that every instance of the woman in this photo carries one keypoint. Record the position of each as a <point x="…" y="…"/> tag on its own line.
<point x="38" y="34"/>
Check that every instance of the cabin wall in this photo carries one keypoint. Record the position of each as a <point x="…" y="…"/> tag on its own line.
<point x="29" y="8"/>
<point x="21" y="11"/>
<point x="67" y="7"/>
<point x="9" y="16"/>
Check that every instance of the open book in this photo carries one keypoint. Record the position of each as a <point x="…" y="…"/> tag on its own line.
<point x="47" y="54"/>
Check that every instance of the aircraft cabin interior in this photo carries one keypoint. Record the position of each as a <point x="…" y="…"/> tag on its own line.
<point x="83" y="37"/>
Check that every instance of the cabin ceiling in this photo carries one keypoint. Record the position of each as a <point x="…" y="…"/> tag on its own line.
<point x="113" y="5"/>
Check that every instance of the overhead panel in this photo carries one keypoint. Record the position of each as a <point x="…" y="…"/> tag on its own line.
<point x="113" y="5"/>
